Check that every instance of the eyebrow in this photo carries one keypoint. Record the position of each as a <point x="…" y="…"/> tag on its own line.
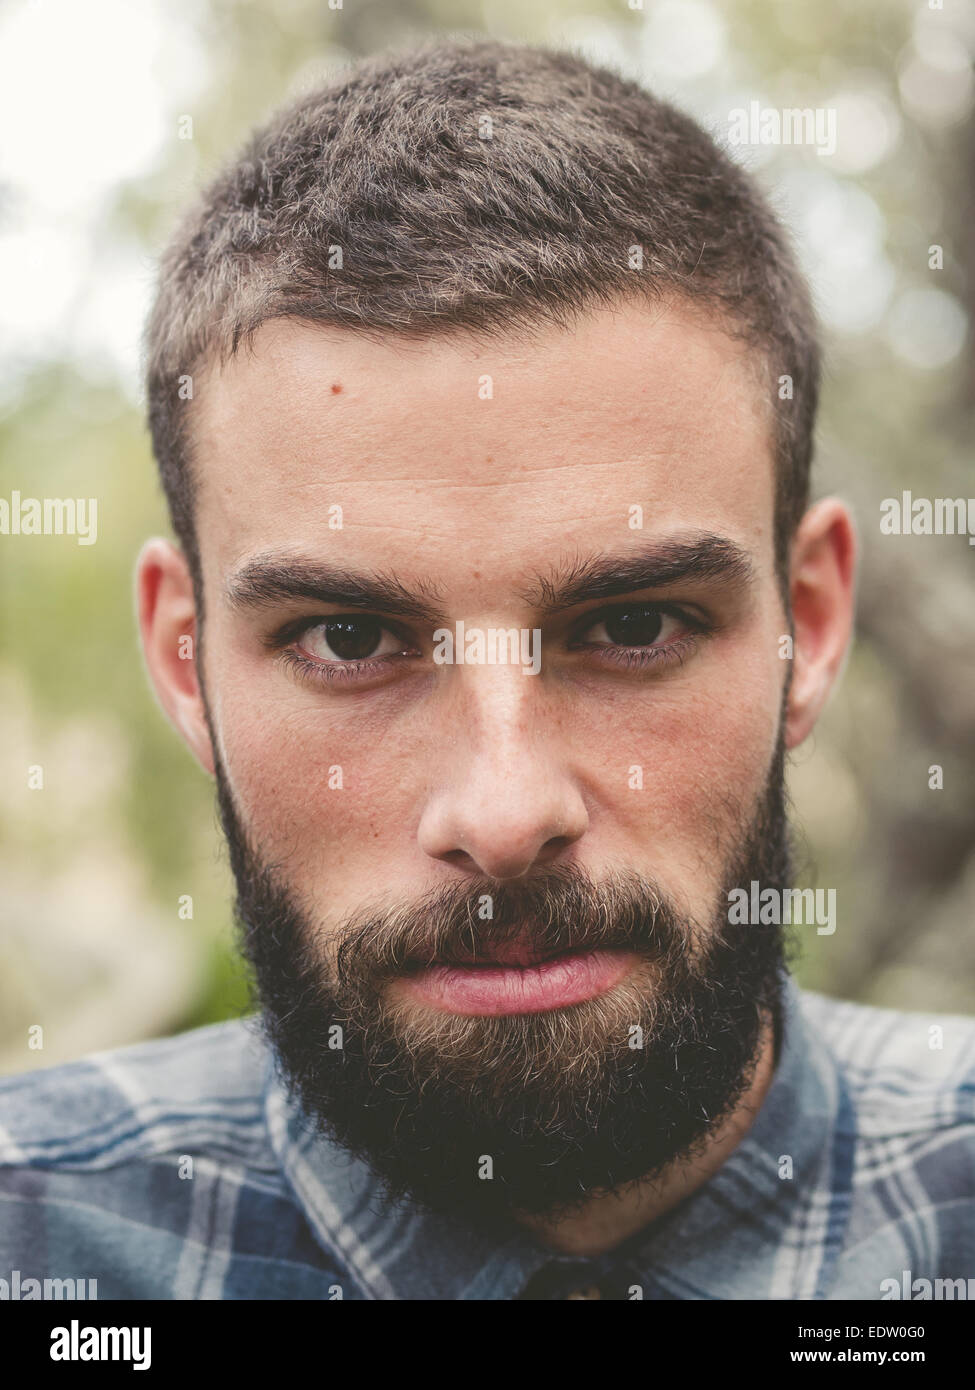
<point x="657" y="565"/>
<point x="269" y="580"/>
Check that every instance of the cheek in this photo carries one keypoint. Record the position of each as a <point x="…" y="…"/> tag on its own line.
<point x="318" y="787"/>
<point x="683" y="767"/>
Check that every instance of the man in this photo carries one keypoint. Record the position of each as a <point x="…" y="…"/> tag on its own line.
<point x="482" y="387"/>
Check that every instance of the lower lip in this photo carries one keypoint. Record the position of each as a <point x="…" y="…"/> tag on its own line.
<point x="506" y="989"/>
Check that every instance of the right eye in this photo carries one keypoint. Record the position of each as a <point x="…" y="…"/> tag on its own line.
<point x="348" y="638"/>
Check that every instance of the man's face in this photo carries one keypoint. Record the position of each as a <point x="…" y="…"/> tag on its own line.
<point x="608" y="491"/>
<point x="483" y="508"/>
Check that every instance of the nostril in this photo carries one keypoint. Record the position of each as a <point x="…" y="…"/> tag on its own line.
<point x="557" y="845"/>
<point x="459" y="859"/>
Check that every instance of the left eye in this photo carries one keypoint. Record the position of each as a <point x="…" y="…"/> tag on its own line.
<point x="635" y="627"/>
<point x="350" y="639"/>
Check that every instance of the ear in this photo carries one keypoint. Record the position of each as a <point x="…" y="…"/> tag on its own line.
<point x="821" y="586"/>
<point x="167" y="623"/>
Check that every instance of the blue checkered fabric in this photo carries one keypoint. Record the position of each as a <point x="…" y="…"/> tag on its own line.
<point x="857" y="1176"/>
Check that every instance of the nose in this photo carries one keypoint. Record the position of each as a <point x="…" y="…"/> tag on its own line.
<point x="505" y="800"/>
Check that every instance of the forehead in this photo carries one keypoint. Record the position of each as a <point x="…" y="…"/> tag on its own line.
<point x="450" y="450"/>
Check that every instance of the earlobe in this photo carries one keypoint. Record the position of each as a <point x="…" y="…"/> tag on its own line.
<point x="821" y="587"/>
<point x="166" y="611"/>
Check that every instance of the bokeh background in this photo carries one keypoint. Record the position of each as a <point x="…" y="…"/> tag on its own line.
<point x="112" y="112"/>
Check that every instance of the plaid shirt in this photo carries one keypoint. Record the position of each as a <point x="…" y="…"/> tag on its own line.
<point x="859" y="1168"/>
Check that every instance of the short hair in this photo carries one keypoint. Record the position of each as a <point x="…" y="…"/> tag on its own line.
<point x="478" y="185"/>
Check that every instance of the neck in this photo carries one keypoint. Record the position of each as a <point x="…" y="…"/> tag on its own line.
<point x="607" y="1220"/>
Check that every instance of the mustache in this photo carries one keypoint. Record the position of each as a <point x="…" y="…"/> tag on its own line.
<point x="553" y="913"/>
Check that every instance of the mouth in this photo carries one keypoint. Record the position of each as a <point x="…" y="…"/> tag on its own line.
<point x="517" y="979"/>
<point x="521" y="953"/>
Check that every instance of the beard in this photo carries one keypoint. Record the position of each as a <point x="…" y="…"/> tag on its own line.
<point x="491" y="1118"/>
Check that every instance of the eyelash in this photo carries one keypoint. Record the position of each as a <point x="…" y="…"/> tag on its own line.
<point x="638" y="658"/>
<point x="328" y="673"/>
<point x="629" y="658"/>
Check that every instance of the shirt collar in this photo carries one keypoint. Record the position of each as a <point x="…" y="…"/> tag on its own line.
<point x="768" y="1224"/>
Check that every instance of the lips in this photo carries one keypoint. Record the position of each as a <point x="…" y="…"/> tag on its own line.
<point x="522" y="983"/>
<point x="520" y="953"/>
